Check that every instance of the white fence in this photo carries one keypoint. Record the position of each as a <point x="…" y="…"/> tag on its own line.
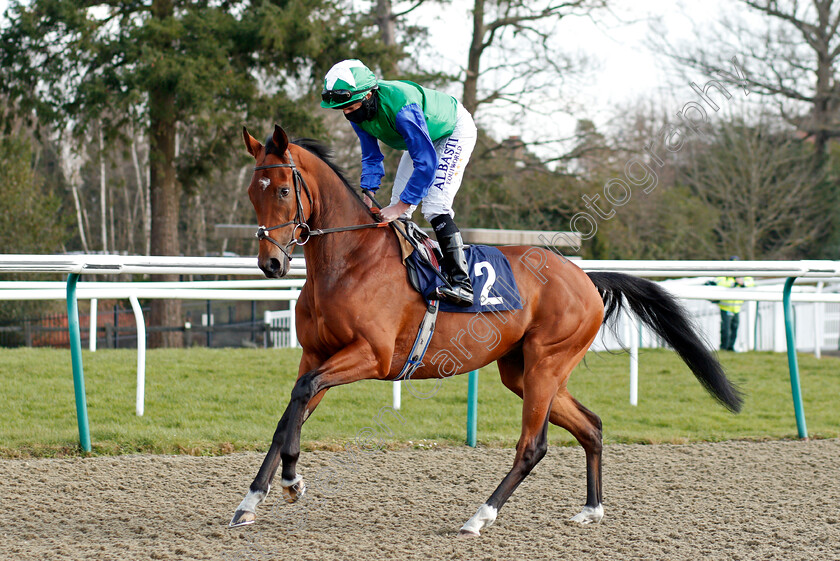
<point x="761" y="328"/>
<point x="76" y="265"/>
<point x="282" y="329"/>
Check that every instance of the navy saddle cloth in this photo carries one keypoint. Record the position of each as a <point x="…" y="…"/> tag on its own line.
<point x="491" y="275"/>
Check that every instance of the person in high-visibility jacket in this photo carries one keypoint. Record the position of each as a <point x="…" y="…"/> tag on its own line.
<point x="729" y="311"/>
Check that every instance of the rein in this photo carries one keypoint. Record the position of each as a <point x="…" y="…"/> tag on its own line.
<point x="299" y="221"/>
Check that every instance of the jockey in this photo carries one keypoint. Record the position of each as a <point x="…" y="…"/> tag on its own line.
<point x="436" y="134"/>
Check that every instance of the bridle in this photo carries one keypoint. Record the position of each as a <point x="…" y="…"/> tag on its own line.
<point x="299" y="221"/>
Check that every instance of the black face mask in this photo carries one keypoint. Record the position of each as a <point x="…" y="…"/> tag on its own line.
<point x="366" y="111"/>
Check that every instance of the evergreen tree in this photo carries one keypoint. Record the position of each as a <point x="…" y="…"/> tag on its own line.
<point x="31" y="217"/>
<point x="172" y="68"/>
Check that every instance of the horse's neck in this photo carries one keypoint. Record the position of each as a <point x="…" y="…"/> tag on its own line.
<point x="335" y="207"/>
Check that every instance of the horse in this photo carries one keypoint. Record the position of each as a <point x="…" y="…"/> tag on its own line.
<point x="357" y="318"/>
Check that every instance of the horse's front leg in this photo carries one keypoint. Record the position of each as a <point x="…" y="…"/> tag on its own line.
<point x="246" y="512"/>
<point x="353" y="363"/>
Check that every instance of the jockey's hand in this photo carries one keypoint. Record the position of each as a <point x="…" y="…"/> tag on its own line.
<point x="391" y="213"/>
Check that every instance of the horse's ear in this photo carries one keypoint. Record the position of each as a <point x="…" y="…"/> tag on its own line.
<point x="252" y="144"/>
<point x="281" y="141"/>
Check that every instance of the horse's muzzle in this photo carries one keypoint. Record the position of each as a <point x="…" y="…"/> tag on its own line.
<point x="273" y="267"/>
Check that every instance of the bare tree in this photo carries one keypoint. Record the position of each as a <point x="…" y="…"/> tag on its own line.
<point x="390" y="19"/>
<point x="762" y="183"/>
<point x="791" y="52"/>
<point x="536" y="63"/>
<point x="71" y="164"/>
<point x="103" y="192"/>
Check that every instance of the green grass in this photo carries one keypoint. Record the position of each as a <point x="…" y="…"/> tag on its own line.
<point x="201" y="401"/>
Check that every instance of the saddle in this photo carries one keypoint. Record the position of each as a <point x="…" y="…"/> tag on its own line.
<point x="413" y="239"/>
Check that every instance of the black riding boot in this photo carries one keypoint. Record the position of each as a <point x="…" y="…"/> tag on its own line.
<point x="455" y="269"/>
<point x="454" y="262"/>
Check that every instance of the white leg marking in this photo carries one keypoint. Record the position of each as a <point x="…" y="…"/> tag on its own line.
<point x="484" y="516"/>
<point x="589" y="515"/>
<point x="252" y="500"/>
<point x="287" y="483"/>
<point x="246" y="512"/>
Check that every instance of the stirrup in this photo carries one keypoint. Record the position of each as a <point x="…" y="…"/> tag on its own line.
<point x="457" y="295"/>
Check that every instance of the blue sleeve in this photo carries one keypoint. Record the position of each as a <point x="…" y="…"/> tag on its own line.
<point x="411" y="124"/>
<point x="372" y="169"/>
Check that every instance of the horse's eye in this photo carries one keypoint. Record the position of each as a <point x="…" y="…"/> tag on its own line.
<point x="284" y="192"/>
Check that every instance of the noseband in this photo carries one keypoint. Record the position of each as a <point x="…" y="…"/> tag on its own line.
<point x="299" y="221"/>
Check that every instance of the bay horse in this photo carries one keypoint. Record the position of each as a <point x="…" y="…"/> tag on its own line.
<point x="357" y="318"/>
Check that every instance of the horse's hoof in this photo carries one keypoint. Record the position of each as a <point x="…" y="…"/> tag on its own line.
<point x="485" y="516"/>
<point x="294" y="490"/>
<point x="589" y="515"/>
<point x="242" y="518"/>
<point x="468" y="534"/>
<point x="246" y="512"/>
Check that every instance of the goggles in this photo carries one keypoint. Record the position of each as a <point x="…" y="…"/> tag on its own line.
<point x="337" y="96"/>
<point x="340" y="97"/>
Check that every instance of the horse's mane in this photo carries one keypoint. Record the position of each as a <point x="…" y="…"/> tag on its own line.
<point x="315" y="147"/>
<point x="324" y="153"/>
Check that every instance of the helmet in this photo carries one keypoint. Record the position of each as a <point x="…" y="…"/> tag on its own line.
<point x="347" y="82"/>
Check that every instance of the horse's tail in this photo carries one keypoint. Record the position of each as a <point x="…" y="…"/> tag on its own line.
<point x="667" y="318"/>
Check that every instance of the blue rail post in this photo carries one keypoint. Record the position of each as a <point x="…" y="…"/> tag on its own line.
<point x="793" y="365"/>
<point x="76" y="357"/>
<point x="472" y="408"/>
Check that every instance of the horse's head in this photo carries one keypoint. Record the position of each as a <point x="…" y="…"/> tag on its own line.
<point x="280" y="198"/>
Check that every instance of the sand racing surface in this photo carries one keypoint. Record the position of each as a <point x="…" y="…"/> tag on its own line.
<point x="731" y="500"/>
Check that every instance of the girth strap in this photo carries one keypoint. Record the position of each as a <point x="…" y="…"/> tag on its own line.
<point x="421" y="343"/>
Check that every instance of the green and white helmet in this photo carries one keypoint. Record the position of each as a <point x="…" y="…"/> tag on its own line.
<point x="346" y="82"/>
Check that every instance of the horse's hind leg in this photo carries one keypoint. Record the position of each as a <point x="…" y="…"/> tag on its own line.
<point x="585" y="426"/>
<point x="540" y="386"/>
